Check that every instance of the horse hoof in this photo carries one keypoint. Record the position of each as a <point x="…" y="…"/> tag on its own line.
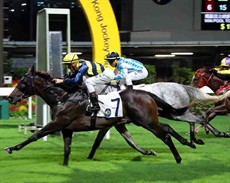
<point x="178" y="160"/>
<point x="226" y="135"/>
<point x="8" y="150"/>
<point x="192" y="145"/>
<point x="199" y="141"/>
<point x="151" y="153"/>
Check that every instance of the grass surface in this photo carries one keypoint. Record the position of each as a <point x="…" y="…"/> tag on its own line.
<point x="115" y="161"/>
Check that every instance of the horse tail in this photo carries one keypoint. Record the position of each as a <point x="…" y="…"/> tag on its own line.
<point x="202" y="97"/>
<point x="167" y="108"/>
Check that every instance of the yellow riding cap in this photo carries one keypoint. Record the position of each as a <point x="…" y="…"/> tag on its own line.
<point x="69" y="58"/>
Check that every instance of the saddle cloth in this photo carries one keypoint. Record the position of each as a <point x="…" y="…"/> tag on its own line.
<point x="110" y="105"/>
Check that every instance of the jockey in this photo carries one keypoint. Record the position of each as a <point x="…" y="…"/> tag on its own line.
<point x="128" y="69"/>
<point x="78" y="69"/>
<point x="223" y="71"/>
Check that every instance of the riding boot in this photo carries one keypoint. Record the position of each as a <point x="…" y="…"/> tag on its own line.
<point x="94" y="101"/>
<point x="129" y="87"/>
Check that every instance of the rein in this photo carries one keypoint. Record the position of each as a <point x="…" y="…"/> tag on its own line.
<point x="201" y="76"/>
<point x="32" y="88"/>
<point x="109" y="84"/>
<point x="47" y="87"/>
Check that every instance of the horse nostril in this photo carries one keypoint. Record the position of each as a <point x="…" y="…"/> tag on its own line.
<point x="10" y="99"/>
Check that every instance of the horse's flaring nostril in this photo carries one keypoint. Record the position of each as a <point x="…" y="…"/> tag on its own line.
<point x="10" y="98"/>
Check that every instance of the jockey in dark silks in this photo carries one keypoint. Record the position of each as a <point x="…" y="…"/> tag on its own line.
<point x="78" y="69"/>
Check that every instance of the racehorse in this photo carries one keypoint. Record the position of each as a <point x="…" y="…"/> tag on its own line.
<point x="139" y="107"/>
<point x="175" y="94"/>
<point x="206" y="76"/>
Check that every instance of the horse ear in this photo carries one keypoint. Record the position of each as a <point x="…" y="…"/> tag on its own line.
<point x="32" y="70"/>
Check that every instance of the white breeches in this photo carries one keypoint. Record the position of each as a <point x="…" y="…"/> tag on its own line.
<point x="133" y="76"/>
<point x="105" y="77"/>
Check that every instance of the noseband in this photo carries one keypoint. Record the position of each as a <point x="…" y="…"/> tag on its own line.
<point x="201" y="76"/>
<point x="31" y="90"/>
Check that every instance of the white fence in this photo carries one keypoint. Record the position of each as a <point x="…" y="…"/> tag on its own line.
<point x="6" y="91"/>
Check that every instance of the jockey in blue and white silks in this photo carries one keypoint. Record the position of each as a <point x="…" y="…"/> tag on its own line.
<point x="130" y="70"/>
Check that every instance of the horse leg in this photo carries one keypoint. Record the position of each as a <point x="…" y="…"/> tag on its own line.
<point x="126" y="135"/>
<point x="67" y="138"/>
<point x="160" y="133"/>
<point x="216" y="132"/>
<point x="192" y="135"/>
<point x="165" y="137"/>
<point x="46" y="130"/>
<point x="227" y="105"/>
<point x="210" y="114"/>
<point x="177" y="136"/>
<point x="98" y="141"/>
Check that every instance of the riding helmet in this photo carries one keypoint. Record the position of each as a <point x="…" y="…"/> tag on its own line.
<point x="225" y="61"/>
<point x="69" y="58"/>
<point x="111" y="56"/>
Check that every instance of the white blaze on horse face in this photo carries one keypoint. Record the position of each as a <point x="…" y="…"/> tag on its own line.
<point x="192" y="82"/>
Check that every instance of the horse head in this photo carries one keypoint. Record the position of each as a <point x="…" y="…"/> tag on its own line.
<point x="207" y="76"/>
<point x="24" y="88"/>
<point x="36" y="83"/>
<point x="202" y="77"/>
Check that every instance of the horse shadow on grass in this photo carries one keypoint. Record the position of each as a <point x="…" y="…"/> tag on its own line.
<point x="141" y="172"/>
<point x="149" y="172"/>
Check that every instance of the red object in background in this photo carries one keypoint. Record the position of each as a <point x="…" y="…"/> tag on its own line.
<point x="209" y="5"/>
<point x="15" y="108"/>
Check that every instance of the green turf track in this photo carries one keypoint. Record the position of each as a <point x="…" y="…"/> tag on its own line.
<point x="115" y="161"/>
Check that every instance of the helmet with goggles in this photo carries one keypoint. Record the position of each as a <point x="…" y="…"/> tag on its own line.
<point x="111" y="56"/>
<point x="69" y="58"/>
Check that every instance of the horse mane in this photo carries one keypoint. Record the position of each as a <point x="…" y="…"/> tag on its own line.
<point x="45" y="75"/>
<point x="211" y="70"/>
<point x="69" y="88"/>
<point x="207" y="68"/>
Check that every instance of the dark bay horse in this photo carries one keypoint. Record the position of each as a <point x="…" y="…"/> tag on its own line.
<point x="139" y="108"/>
<point x="206" y="76"/>
<point x="177" y="95"/>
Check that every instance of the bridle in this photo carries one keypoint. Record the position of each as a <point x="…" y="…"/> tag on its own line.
<point x="31" y="90"/>
<point x="202" y="77"/>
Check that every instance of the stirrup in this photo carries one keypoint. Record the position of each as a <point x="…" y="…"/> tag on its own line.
<point x="94" y="108"/>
